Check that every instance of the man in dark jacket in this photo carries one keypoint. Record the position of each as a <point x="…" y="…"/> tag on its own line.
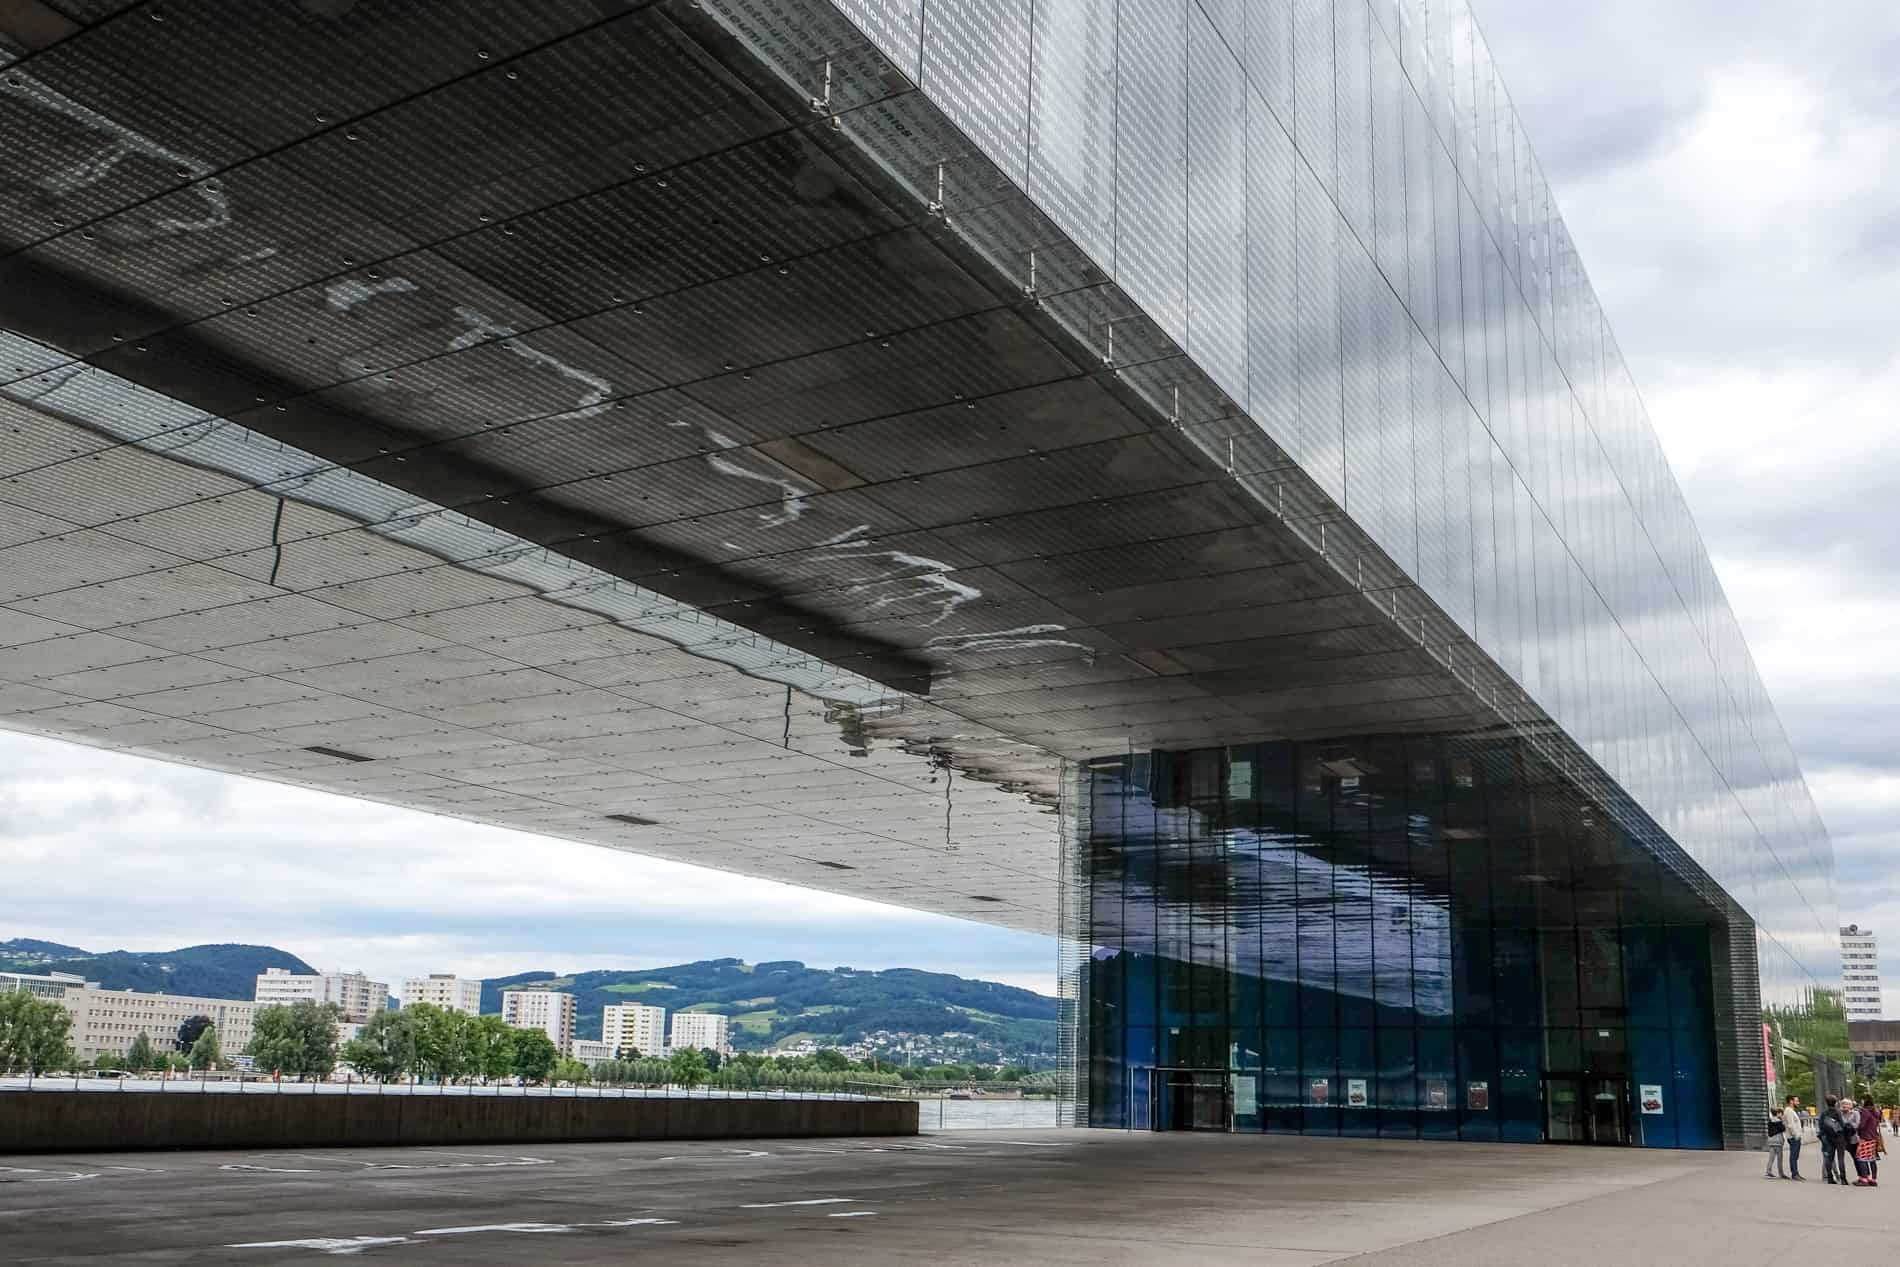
<point x="1832" y="1128"/>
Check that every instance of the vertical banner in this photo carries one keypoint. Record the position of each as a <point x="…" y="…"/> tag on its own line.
<point x="1768" y="1055"/>
<point x="1355" y="1093"/>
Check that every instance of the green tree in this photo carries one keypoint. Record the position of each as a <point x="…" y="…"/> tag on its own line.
<point x="189" y="1031"/>
<point x="139" y="1057"/>
<point x="490" y="1044"/>
<point x="297" y="1039"/>
<point x="687" y="1068"/>
<point x="385" y="1048"/>
<point x="1887" y="1084"/>
<point x="567" y="1069"/>
<point x="33" y="1034"/>
<point x="535" y="1054"/>
<point x="442" y="1042"/>
<point x="831" y="1060"/>
<point x="712" y="1059"/>
<point x="205" y="1053"/>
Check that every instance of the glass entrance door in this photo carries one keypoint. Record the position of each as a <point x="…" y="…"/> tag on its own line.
<point x="1585" y="1110"/>
<point x="1191" y="1100"/>
<point x="1563" y="1111"/>
<point x="1607" y="1103"/>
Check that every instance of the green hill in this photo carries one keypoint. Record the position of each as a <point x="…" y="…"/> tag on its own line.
<point x="783" y="1000"/>
<point x="770" y="1003"/>
<point x="216" y="972"/>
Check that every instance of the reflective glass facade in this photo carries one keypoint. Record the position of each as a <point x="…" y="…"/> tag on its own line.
<point x="1332" y="207"/>
<point x="1411" y="937"/>
<point x="1331" y="212"/>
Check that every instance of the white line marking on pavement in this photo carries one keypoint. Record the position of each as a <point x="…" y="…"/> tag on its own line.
<point x="538" y="1229"/>
<point x="852" y="1214"/>
<point x="776" y="1205"/>
<point x="632" y="1223"/>
<point x="328" y="1244"/>
<point x="1028" y="1143"/>
<point x="275" y="1170"/>
<point x="59" y="1176"/>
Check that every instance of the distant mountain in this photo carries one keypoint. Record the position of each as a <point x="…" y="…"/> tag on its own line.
<point x="780" y="1002"/>
<point x="771" y="1004"/>
<point x="33" y="946"/>
<point x="216" y="972"/>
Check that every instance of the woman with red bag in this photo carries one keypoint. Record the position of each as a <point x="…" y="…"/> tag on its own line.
<point x="1867" y="1153"/>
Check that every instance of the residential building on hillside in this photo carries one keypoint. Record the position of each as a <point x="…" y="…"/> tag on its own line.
<point x="1860" y="974"/>
<point x="358" y="996"/>
<point x="444" y="990"/>
<point x="591" y="1051"/>
<point x="630" y="1027"/>
<point x="550" y="1011"/>
<point x="701" y="1029"/>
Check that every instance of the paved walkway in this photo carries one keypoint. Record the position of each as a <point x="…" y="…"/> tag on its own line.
<point x="1093" y="1198"/>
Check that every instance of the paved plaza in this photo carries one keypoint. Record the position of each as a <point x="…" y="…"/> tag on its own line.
<point x="1093" y="1198"/>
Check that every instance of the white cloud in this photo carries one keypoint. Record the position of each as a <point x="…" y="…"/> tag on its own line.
<point x="1745" y="244"/>
<point x="128" y="852"/>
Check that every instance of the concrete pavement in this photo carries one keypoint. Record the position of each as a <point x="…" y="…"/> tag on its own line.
<point x="1095" y="1198"/>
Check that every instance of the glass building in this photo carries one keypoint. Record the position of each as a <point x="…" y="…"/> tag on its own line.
<point x="1154" y="471"/>
<point x="1558" y="924"/>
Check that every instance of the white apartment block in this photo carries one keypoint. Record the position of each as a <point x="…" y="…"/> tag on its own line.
<point x="358" y="996"/>
<point x="701" y="1029"/>
<point x="1860" y="974"/>
<point x="444" y="990"/>
<point x="549" y="1011"/>
<point x="631" y="1027"/>
<point x="105" y="1022"/>
<point x="590" y="1052"/>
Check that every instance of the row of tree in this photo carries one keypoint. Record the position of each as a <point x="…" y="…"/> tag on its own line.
<point x="421" y="1042"/>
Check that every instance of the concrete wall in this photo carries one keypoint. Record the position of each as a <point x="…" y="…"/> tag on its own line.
<point x="115" y="1121"/>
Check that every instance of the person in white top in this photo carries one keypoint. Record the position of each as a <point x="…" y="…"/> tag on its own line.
<point x="1791" y="1121"/>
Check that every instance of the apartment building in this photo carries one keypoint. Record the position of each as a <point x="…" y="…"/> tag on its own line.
<point x="105" y="1022"/>
<point x="701" y="1029"/>
<point x="630" y="1027"/>
<point x="550" y="1011"/>
<point x="444" y="990"/>
<point x="52" y="985"/>
<point x="358" y="996"/>
<point x="1860" y="974"/>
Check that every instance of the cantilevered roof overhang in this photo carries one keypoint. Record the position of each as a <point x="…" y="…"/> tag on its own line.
<point x="651" y="424"/>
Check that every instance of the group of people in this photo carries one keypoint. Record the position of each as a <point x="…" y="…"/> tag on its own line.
<point x="1845" y="1129"/>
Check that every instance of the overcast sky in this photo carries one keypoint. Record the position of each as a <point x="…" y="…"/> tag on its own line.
<point x="1730" y="173"/>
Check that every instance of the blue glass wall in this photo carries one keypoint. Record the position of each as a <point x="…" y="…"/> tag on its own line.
<point x="1391" y="936"/>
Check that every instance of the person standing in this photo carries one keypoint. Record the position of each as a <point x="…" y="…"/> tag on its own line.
<point x="1777" y="1137"/>
<point x="1791" y="1127"/>
<point x="1832" y="1129"/>
<point x="1867" y="1153"/>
